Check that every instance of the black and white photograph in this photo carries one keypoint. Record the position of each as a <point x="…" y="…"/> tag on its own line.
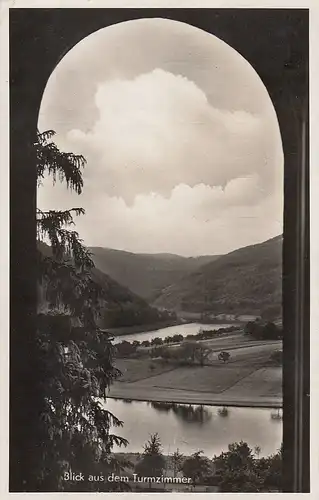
<point x="166" y="148"/>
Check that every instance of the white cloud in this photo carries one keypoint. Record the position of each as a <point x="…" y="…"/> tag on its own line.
<point x="191" y="220"/>
<point x="158" y="130"/>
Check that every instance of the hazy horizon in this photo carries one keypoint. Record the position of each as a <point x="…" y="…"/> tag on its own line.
<point x="184" y="256"/>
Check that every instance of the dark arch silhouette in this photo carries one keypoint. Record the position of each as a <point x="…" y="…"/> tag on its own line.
<point x="275" y="43"/>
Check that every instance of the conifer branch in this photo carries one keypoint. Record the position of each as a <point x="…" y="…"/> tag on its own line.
<point x="64" y="166"/>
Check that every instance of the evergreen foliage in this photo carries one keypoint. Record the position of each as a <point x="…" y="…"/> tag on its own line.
<point x="153" y="462"/>
<point x="177" y="461"/>
<point x="74" y="354"/>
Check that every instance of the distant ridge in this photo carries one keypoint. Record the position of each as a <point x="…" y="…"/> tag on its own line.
<point x="146" y="274"/>
<point x="244" y="281"/>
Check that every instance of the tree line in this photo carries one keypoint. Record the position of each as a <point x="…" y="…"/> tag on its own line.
<point x="187" y="353"/>
<point x="126" y="348"/>
<point x="239" y="469"/>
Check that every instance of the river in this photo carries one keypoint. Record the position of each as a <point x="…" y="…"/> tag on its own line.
<point x="191" y="428"/>
<point x="184" y="329"/>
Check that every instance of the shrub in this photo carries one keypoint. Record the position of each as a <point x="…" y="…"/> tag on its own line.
<point x="224" y="356"/>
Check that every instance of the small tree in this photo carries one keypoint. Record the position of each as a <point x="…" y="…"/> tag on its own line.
<point x="255" y="329"/>
<point x="236" y="471"/>
<point x="157" y="341"/>
<point x="177" y="461"/>
<point x="249" y="327"/>
<point x="153" y="462"/>
<point x="125" y="349"/>
<point x="201" y="354"/>
<point x="168" y="340"/>
<point x="271" y="332"/>
<point x="177" y="337"/>
<point x="187" y="351"/>
<point x="197" y="467"/>
<point x="224" y="356"/>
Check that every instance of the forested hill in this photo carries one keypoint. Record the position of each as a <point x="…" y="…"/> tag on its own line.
<point x="121" y="307"/>
<point x="245" y="281"/>
<point x="145" y="274"/>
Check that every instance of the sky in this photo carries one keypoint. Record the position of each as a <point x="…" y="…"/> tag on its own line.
<point x="182" y="142"/>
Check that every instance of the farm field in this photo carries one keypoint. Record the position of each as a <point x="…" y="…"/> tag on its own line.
<point x="247" y="379"/>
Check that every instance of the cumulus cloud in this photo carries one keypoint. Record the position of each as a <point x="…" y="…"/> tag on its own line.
<point x="159" y="130"/>
<point x="190" y="221"/>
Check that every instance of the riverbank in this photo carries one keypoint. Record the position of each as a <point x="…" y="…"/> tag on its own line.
<point x="183" y="329"/>
<point x="126" y="391"/>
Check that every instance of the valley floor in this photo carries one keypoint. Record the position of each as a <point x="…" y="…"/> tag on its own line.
<point x="246" y="380"/>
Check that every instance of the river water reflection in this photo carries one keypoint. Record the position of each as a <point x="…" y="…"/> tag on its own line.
<point x="191" y="428"/>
